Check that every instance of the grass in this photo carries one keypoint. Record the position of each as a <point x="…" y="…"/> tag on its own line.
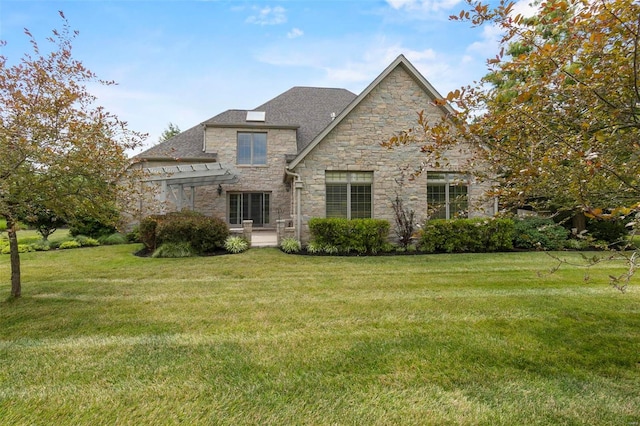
<point x="104" y="337"/>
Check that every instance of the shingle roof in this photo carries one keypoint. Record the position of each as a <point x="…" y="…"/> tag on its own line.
<point x="308" y="109"/>
<point x="187" y="144"/>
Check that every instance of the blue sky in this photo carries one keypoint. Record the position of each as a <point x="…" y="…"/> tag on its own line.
<point x="184" y="61"/>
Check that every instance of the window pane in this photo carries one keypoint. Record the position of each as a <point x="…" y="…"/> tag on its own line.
<point x="234" y="209"/>
<point x="458" y="201"/>
<point x="244" y="148"/>
<point x="337" y="200"/>
<point x="360" y="201"/>
<point x="259" y="148"/>
<point x="265" y="211"/>
<point x="361" y="177"/>
<point x="336" y="177"/>
<point x="437" y="201"/>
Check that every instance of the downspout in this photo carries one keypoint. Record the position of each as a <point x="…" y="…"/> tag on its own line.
<point x="297" y="184"/>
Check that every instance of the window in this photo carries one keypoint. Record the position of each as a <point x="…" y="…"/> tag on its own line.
<point x="249" y="206"/>
<point x="447" y="195"/>
<point x="252" y="148"/>
<point x="348" y="194"/>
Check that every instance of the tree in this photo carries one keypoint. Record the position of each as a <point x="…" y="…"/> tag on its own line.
<point x="44" y="221"/>
<point x="556" y="121"/>
<point x="60" y="152"/>
<point x="169" y="132"/>
<point x="557" y="117"/>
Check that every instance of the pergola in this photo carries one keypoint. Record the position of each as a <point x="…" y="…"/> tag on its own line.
<point x="179" y="182"/>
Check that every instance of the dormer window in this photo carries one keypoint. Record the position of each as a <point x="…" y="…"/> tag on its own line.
<point x="252" y="149"/>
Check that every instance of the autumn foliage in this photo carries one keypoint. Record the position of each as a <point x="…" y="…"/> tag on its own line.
<point x="60" y="151"/>
<point x="557" y="117"/>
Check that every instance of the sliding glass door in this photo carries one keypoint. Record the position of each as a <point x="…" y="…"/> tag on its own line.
<point x="249" y="206"/>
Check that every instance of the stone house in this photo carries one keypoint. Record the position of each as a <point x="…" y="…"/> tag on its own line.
<point x="314" y="152"/>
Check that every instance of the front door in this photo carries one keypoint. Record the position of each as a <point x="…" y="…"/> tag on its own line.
<point x="249" y="206"/>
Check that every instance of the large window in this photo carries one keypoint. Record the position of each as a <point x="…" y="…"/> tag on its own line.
<point x="349" y="194"/>
<point x="447" y="195"/>
<point x="252" y="148"/>
<point x="249" y="206"/>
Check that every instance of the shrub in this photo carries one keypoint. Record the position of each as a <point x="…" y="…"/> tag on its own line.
<point x="147" y="229"/>
<point x="134" y="235"/>
<point x="113" y="239"/>
<point x="174" y="250"/>
<point x="614" y="231"/>
<point x="314" y="248"/>
<point x="90" y="227"/>
<point x="235" y="244"/>
<point x="42" y="245"/>
<point x="539" y="232"/>
<point x="466" y="235"/>
<point x="69" y="245"/>
<point x="359" y="235"/>
<point x="204" y="234"/>
<point x="290" y="245"/>
<point x="22" y="248"/>
<point x="86" y="241"/>
<point x="404" y="222"/>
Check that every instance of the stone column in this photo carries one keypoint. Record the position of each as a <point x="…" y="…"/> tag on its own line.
<point x="280" y="228"/>
<point x="247" y="230"/>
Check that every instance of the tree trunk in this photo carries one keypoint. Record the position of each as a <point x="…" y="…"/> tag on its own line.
<point x="579" y="221"/>
<point x="16" y="286"/>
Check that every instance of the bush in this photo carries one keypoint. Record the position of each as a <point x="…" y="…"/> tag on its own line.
<point x="290" y="245"/>
<point x="174" y="250"/>
<point x="539" y="232"/>
<point x="69" y="245"/>
<point x="113" y="239"/>
<point x="614" y="232"/>
<point x="90" y="227"/>
<point x="22" y="248"/>
<point x="147" y="231"/>
<point x="466" y="235"/>
<point x="204" y="234"/>
<point x="235" y="244"/>
<point x="134" y="235"/>
<point x="314" y="247"/>
<point x="86" y="241"/>
<point x="359" y="235"/>
<point x="42" y="245"/>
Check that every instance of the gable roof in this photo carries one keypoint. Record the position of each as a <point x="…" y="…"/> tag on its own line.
<point x="307" y="109"/>
<point x="400" y="61"/>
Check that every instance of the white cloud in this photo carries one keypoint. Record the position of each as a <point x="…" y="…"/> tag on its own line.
<point x="524" y="8"/>
<point x="268" y="16"/>
<point x="423" y="5"/>
<point x="489" y="42"/>
<point x="295" y="33"/>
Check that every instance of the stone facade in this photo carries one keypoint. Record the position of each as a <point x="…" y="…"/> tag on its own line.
<point x="269" y="178"/>
<point x="350" y="143"/>
<point x="355" y="145"/>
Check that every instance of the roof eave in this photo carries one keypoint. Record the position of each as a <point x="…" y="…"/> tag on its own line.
<point x="253" y="126"/>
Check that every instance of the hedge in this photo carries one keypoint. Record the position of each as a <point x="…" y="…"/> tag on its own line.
<point x="363" y="236"/>
<point x="466" y="235"/>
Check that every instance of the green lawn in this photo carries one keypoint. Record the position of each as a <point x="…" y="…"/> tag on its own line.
<point x="103" y="337"/>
